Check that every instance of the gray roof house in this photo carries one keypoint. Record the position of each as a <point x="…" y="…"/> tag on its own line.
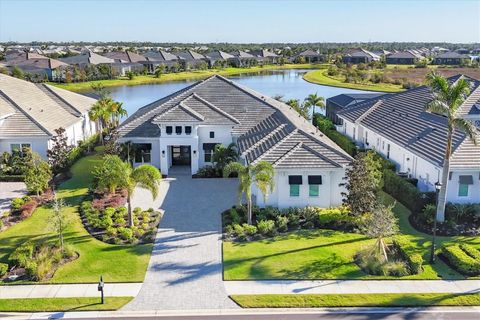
<point x="38" y="65"/>
<point x="359" y="56"/>
<point x="397" y="126"/>
<point x="339" y="102"/>
<point x="191" y="58"/>
<point x="242" y="58"/>
<point x="265" y="56"/>
<point x="403" y="57"/>
<point x="88" y="57"/>
<point x="311" y="56"/>
<point x="30" y="113"/>
<point x="451" y="58"/>
<point x="182" y="129"/>
<point x="155" y="58"/>
<point x="219" y="55"/>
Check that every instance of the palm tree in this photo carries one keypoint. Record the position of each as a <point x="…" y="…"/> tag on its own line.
<point x="313" y="100"/>
<point x="447" y="98"/>
<point x="100" y="114"/>
<point x="260" y="174"/>
<point x="145" y="176"/>
<point x="301" y="108"/>
<point x="116" y="111"/>
<point x="224" y="155"/>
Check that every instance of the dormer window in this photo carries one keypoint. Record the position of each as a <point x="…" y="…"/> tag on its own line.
<point x="188" y="130"/>
<point x="212" y="134"/>
<point x="169" y="129"/>
<point x="178" y="129"/>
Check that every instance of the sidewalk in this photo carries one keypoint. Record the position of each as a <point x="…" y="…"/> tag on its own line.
<point x="351" y="286"/>
<point x="68" y="290"/>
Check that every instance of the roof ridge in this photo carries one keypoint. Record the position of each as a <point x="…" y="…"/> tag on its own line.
<point x="266" y="137"/>
<point x="214" y="107"/>
<point x="46" y="87"/>
<point x="286" y="154"/>
<point x="366" y="113"/>
<point x="188" y="109"/>
<point x="16" y="106"/>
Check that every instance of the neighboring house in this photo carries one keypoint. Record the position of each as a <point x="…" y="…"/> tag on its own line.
<point x="339" y="102"/>
<point x="126" y="61"/>
<point x="37" y="64"/>
<point x="399" y="128"/>
<point x="463" y="51"/>
<point x="451" y="58"/>
<point x="218" y="55"/>
<point x="87" y="57"/>
<point x="404" y="57"/>
<point x="157" y="58"/>
<point x="30" y="113"/>
<point x="190" y="59"/>
<point x="183" y="128"/>
<point x="265" y="56"/>
<point x="243" y="59"/>
<point x="382" y="52"/>
<point x="359" y="56"/>
<point x="311" y="56"/>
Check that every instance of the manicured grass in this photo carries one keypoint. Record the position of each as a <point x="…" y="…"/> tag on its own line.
<point x="321" y="77"/>
<point x="179" y="76"/>
<point x="356" y="300"/>
<point x="62" y="304"/>
<point x="327" y="254"/>
<point x="117" y="263"/>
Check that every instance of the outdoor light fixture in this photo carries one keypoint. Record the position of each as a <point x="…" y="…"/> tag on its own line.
<point x="194" y="152"/>
<point x="163" y="153"/>
<point x="438" y="186"/>
<point x="101" y="284"/>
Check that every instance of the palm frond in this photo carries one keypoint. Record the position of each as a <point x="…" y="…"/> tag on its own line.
<point x="458" y="92"/>
<point x="233" y="167"/>
<point x="437" y="106"/>
<point x="468" y="127"/>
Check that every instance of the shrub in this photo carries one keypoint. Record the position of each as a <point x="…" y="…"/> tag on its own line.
<point x="16" y="204"/>
<point x="31" y="270"/>
<point x="28" y="208"/>
<point x="106" y="222"/>
<point x="109" y="212"/>
<point x="427" y="215"/>
<point x="414" y="261"/>
<point x="119" y="218"/>
<point x="21" y="255"/>
<point x="471" y="251"/>
<point x="229" y="231"/>
<point x="330" y="217"/>
<point x="250" y="230"/>
<point x="69" y="252"/>
<point x="239" y="231"/>
<point x="145" y="217"/>
<point x="111" y="232"/>
<point x="145" y="226"/>
<point x="282" y="223"/>
<point x="461" y="260"/>
<point x="3" y="269"/>
<point x="395" y="268"/>
<point x="125" y="233"/>
<point x="266" y="227"/>
<point x="372" y="264"/>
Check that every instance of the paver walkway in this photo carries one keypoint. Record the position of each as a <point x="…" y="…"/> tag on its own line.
<point x="69" y="290"/>
<point x="185" y="269"/>
<point x="8" y="191"/>
<point x="351" y="286"/>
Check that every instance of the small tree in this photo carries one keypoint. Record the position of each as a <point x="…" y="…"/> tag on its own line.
<point x="302" y="108"/>
<point x="261" y="174"/>
<point x="58" y="154"/>
<point x="59" y="221"/>
<point x="364" y="178"/>
<point x="110" y="174"/>
<point x="159" y="70"/>
<point x="130" y="75"/>
<point x="379" y="224"/>
<point x="38" y="175"/>
<point x="313" y="101"/>
<point x="224" y="155"/>
<point x="18" y="73"/>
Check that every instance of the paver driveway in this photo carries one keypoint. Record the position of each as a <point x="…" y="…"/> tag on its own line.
<point x="8" y="191"/>
<point x="185" y="270"/>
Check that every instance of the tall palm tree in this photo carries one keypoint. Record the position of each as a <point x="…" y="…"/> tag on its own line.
<point x="260" y="174"/>
<point x="100" y="114"/>
<point x="447" y="99"/>
<point x="302" y="108"/>
<point x="145" y="176"/>
<point x="116" y="111"/>
<point x="313" y="100"/>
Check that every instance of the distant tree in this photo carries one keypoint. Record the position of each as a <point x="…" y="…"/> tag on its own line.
<point x="224" y="155"/>
<point x="302" y="108"/>
<point x="18" y="73"/>
<point x="447" y="99"/>
<point x="68" y="76"/>
<point x="313" y="101"/>
<point x="130" y="75"/>
<point x="301" y="59"/>
<point x="59" y="221"/>
<point x="59" y="152"/>
<point x="38" y="175"/>
<point x="159" y="70"/>
<point x="364" y="178"/>
<point x="379" y="224"/>
<point x="260" y="174"/>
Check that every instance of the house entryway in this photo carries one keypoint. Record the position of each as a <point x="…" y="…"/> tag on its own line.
<point x="181" y="155"/>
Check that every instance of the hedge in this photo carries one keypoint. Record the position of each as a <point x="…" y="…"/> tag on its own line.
<point x="405" y="192"/>
<point x="12" y="178"/>
<point x="461" y="260"/>
<point x="414" y="261"/>
<point x="326" y="126"/>
<point x="471" y="251"/>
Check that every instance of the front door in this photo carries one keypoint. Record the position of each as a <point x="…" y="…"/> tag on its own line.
<point x="181" y="155"/>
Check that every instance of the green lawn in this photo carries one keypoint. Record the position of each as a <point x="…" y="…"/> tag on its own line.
<point x="179" y="76"/>
<point x="117" y="263"/>
<point x="326" y="254"/>
<point x="321" y="77"/>
<point x="356" y="300"/>
<point x="62" y="304"/>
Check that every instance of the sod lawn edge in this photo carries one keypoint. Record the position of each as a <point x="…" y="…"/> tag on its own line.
<point x="178" y="76"/>
<point x="356" y="300"/>
<point x="320" y="77"/>
<point x="62" y="304"/>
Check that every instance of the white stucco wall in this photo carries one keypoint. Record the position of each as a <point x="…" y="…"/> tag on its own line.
<point x="329" y="191"/>
<point x="473" y="189"/>
<point x="38" y="145"/>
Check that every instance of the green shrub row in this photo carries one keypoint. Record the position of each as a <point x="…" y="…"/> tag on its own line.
<point x="414" y="261"/>
<point x="22" y="254"/>
<point x="462" y="260"/>
<point x="326" y="126"/>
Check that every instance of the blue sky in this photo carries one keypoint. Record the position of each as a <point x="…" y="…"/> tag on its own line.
<point x="240" y="21"/>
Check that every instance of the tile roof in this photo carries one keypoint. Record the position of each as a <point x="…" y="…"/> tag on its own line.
<point x="39" y="109"/>
<point x="266" y="128"/>
<point x="402" y="118"/>
<point x="190" y="55"/>
<point x="87" y="57"/>
<point x="160" y="56"/>
<point x="242" y="54"/>
<point x="452" y="55"/>
<point x="346" y="99"/>
<point x="125" y="56"/>
<point x="219" y="55"/>
<point x="309" y="53"/>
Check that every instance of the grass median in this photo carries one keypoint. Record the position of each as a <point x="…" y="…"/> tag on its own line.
<point x="62" y="304"/>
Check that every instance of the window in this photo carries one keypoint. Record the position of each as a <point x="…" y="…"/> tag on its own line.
<point x="212" y="134"/>
<point x="463" y="183"/>
<point x="313" y="185"/>
<point x="388" y="151"/>
<point x="143" y="152"/>
<point x="354" y="133"/>
<point x="366" y="138"/>
<point x="17" y="148"/>
<point x="294" y="182"/>
<point x="208" y="149"/>
<point x="169" y="130"/>
<point x="188" y="130"/>
<point x="178" y="129"/>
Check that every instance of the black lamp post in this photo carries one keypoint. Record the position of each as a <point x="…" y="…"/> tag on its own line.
<point x="438" y="186"/>
<point x="101" y="284"/>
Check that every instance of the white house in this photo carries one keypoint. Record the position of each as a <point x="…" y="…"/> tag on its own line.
<point x="30" y="113"/>
<point x="182" y="130"/>
<point x="399" y="128"/>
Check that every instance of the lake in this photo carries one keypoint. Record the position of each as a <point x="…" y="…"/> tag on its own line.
<point x="287" y="83"/>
